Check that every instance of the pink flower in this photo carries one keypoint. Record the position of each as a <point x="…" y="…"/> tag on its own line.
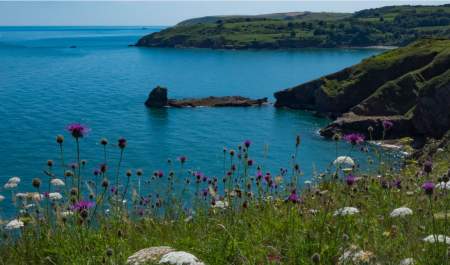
<point x="78" y="130"/>
<point x="354" y="138"/>
<point x="82" y="205"/>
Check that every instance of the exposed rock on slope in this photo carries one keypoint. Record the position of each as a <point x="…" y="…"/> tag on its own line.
<point x="409" y="85"/>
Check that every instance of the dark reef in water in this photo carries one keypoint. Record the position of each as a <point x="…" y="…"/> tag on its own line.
<point x="158" y="99"/>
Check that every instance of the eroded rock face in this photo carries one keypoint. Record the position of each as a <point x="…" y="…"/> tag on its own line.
<point x="157" y="98"/>
<point x="432" y="113"/>
<point x="146" y="255"/>
<point x="354" y="123"/>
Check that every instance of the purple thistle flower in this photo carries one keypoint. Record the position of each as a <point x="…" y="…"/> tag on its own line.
<point x="354" y="138"/>
<point x="428" y="167"/>
<point x="82" y="205"/>
<point x="247" y="143"/>
<point x="397" y="183"/>
<point x="250" y="162"/>
<point x="293" y="197"/>
<point x="122" y="143"/>
<point x="97" y="172"/>
<point x="182" y="159"/>
<point x="387" y="124"/>
<point x="77" y="130"/>
<point x="350" y="180"/>
<point x="428" y="187"/>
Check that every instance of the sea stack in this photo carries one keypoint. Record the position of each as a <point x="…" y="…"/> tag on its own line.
<point x="157" y="98"/>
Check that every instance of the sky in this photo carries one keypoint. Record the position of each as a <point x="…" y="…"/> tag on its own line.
<point x="162" y="13"/>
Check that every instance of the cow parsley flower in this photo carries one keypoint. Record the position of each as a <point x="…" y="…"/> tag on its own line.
<point x="344" y="160"/>
<point x="55" y="196"/>
<point x="346" y="211"/>
<point x="21" y="195"/>
<point x="407" y="261"/>
<point x="401" y="212"/>
<point x="10" y="186"/>
<point x="14" y="224"/>
<point x="437" y="239"/>
<point x="14" y="180"/>
<point x="2" y="198"/>
<point x="443" y="186"/>
<point x="220" y="204"/>
<point x="57" y="182"/>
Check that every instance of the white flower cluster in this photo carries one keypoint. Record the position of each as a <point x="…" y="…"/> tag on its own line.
<point x="55" y="196"/>
<point x="57" y="182"/>
<point x="401" y="212"/>
<point x="443" y="186"/>
<point x="437" y="239"/>
<point x="12" y="183"/>
<point x="14" y="224"/>
<point x="346" y="211"/>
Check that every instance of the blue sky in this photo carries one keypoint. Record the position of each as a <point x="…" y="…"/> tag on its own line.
<point x="19" y="13"/>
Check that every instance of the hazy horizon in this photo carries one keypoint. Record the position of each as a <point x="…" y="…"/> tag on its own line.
<point x="163" y="13"/>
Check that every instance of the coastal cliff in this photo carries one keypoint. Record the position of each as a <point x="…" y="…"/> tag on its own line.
<point x="386" y="26"/>
<point x="409" y="86"/>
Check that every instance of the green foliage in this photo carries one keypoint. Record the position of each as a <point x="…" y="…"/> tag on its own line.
<point x="389" y="26"/>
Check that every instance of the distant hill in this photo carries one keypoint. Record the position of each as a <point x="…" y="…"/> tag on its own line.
<point x="388" y="26"/>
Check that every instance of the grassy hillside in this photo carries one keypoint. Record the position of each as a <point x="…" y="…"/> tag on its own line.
<point x="391" y="26"/>
<point x="244" y="216"/>
<point x="409" y="84"/>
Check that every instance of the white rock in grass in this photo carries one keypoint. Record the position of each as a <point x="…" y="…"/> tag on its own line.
<point x="443" y="186"/>
<point x="408" y="261"/>
<point x="14" y="224"/>
<point x="437" y="239"/>
<point x="180" y="258"/>
<point x="146" y="255"/>
<point x="346" y="211"/>
<point x="57" y="182"/>
<point x="344" y="160"/>
<point x="401" y="212"/>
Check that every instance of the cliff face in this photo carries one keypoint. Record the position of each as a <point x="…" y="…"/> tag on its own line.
<point x="409" y="85"/>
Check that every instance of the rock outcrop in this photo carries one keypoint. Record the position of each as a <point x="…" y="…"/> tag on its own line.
<point x="228" y="101"/>
<point x="158" y="98"/>
<point x="162" y="255"/>
<point x="409" y="85"/>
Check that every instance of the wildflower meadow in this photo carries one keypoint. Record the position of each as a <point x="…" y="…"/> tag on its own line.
<point x="78" y="213"/>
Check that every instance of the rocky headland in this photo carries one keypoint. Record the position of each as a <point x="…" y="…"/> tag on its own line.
<point x="158" y="99"/>
<point x="386" y="26"/>
<point x="408" y="86"/>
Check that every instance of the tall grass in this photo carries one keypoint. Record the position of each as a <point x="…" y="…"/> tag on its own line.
<point x="244" y="216"/>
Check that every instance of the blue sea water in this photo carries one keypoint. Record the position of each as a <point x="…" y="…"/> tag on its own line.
<point x="103" y="83"/>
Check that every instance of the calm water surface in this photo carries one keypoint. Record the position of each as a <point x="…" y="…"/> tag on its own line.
<point x="45" y="85"/>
